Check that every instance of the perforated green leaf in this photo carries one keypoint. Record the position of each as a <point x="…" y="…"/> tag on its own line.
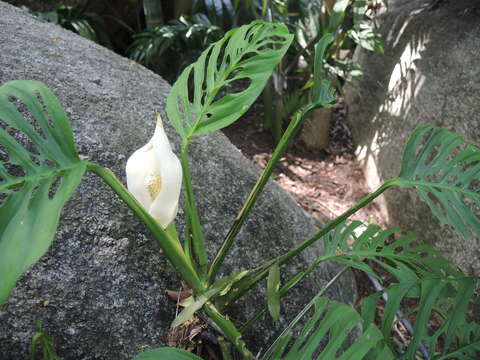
<point x="445" y="170"/>
<point x="330" y="325"/>
<point x="197" y="103"/>
<point x="353" y="243"/>
<point x="39" y="171"/>
<point x="442" y="301"/>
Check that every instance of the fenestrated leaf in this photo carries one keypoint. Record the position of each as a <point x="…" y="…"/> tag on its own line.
<point x="445" y="170"/>
<point x="353" y="243"/>
<point x="402" y="259"/>
<point x="330" y="324"/>
<point x="250" y="52"/>
<point x="450" y="319"/>
<point x="37" y="175"/>
<point x="166" y="353"/>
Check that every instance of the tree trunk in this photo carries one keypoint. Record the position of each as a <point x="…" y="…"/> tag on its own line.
<point x="316" y="128"/>
<point x="153" y="13"/>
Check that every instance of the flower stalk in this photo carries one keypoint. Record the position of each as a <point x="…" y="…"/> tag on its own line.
<point x="170" y="246"/>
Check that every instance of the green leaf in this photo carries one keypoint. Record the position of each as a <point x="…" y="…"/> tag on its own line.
<point x="321" y="87"/>
<point x="359" y="10"/>
<point x="264" y="7"/>
<point x="353" y="243"/>
<point x="196" y="104"/>
<point x="84" y="29"/>
<point x="456" y="318"/>
<point x="453" y="331"/>
<point x="330" y="325"/>
<point x="273" y="295"/>
<point x="37" y="175"/>
<point x="338" y="14"/>
<point x="445" y="170"/>
<point x="166" y="353"/>
<point x="45" y="342"/>
<point x="291" y="103"/>
<point x="368" y="37"/>
<point x="224" y="283"/>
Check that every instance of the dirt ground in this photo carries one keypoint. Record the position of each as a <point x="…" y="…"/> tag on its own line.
<point x="326" y="182"/>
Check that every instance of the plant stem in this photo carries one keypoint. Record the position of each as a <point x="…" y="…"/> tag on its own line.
<point x="197" y="240"/>
<point x="292" y="129"/>
<point x="225" y="348"/>
<point x="171" y="247"/>
<point x="332" y="224"/>
<point x="229" y="329"/>
<point x="245" y="285"/>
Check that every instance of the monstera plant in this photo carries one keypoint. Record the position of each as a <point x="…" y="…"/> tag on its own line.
<point x="40" y="170"/>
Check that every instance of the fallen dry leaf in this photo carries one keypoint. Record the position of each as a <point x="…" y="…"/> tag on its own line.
<point x="179" y="295"/>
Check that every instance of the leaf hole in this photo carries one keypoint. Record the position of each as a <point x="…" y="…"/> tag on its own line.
<point x="265" y="47"/>
<point x="234" y="73"/>
<point x="222" y="61"/>
<point x="251" y="33"/>
<point x="191" y="87"/>
<point x="48" y="163"/>
<point x="48" y="118"/>
<point x="249" y="55"/>
<point x="3" y="198"/>
<point x="14" y="170"/>
<point x="3" y="155"/>
<point x="19" y="136"/>
<point x="9" y="165"/>
<point x="29" y="117"/>
<point x="37" y="159"/>
<point x="54" y="187"/>
<point x="238" y="85"/>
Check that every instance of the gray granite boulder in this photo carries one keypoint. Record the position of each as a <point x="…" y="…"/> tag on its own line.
<point x="43" y="5"/>
<point x="430" y="73"/>
<point x="104" y="277"/>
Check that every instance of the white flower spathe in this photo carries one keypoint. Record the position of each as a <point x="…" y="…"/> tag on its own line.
<point x="154" y="177"/>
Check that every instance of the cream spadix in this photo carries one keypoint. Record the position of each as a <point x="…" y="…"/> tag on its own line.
<point x="154" y="177"/>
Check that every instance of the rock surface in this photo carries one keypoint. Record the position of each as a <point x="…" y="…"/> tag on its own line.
<point x="43" y="5"/>
<point x="104" y="277"/>
<point x="429" y="73"/>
